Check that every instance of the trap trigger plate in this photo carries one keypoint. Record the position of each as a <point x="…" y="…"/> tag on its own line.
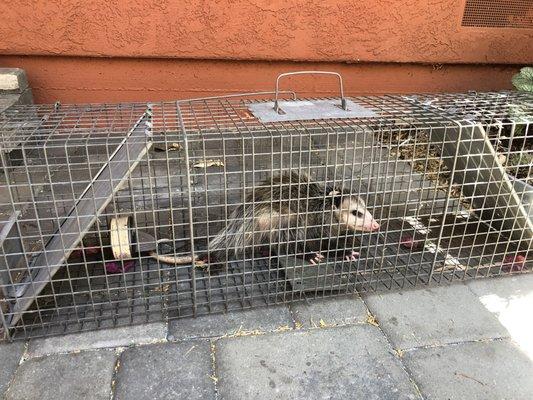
<point x="297" y="110"/>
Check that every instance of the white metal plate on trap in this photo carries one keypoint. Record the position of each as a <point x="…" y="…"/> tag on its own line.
<point x="308" y="109"/>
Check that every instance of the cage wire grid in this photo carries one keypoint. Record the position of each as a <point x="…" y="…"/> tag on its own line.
<point x="447" y="176"/>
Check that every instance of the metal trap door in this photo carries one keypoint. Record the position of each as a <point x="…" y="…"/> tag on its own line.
<point x="496" y="198"/>
<point x="73" y="225"/>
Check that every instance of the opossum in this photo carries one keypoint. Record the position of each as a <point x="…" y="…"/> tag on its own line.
<point x="287" y="214"/>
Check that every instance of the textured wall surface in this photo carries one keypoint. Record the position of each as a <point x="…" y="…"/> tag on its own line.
<point x="329" y="30"/>
<point x="79" y="79"/>
<point x="118" y="50"/>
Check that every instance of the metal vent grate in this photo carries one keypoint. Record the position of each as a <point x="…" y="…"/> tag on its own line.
<point x="498" y="13"/>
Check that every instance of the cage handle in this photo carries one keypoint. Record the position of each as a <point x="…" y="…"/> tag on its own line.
<point x="278" y="110"/>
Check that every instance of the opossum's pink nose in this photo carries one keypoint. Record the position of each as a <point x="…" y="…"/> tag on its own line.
<point x="370" y="225"/>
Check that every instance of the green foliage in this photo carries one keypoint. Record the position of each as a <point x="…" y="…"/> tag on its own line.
<point x="519" y="165"/>
<point x="518" y="115"/>
<point x="520" y="160"/>
<point x="523" y="81"/>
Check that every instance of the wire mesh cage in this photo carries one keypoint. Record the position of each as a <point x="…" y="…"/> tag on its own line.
<point x="122" y="214"/>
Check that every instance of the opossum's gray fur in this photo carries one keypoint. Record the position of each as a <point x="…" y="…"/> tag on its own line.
<point x="288" y="213"/>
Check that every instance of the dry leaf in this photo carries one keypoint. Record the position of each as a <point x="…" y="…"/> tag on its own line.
<point x="208" y="163"/>
<point x="175" y="146"/>
<point x="370" y="319"/>
<point x="245" y="114"/>
<point x="283" y="328"/>
<point x="188" y="351"/>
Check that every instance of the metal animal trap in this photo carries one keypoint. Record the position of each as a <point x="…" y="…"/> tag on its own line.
<point x="108" y="211"/>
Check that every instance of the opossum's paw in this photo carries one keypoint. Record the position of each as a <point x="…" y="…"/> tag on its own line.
<point x="314" y="258"/>
<point x="204" y="258"/>
<point x="352" y="256"/>
<point x="211" y="263"/>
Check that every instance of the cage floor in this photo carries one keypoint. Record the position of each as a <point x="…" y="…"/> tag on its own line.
<point x="153" y="292"/>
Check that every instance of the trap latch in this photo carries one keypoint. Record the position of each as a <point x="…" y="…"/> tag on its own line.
<point x="311" y="109"/>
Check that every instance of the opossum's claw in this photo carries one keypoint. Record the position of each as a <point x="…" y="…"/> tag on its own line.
<point x="315" y="258"/>
<point x="353" y="256"/>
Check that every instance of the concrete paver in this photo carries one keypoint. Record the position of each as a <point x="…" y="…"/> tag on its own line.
<point x="80" y="376"/>
<point x="262" y="319"/>
<point x="349" y="362"/>
<point x="462" y="341"/>
<point x="492" y="370"/>
<point x="126" y="336"/>
<point x="166" y="371"/>
<point x="510" y="299"/>
<point x="10" y="355"/>
<point x="434" y="316"/>
<point x="331" y="311"/>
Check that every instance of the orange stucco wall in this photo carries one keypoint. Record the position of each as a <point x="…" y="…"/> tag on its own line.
<point x="110" y="80"/>
<point x="113" y="50"/>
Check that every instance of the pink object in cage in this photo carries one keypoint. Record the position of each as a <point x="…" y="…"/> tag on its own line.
<point x="88" y="251"/>
<point x="514" y="263"/>
<point x="115" y="267"/>
<point x="409" y="242"/>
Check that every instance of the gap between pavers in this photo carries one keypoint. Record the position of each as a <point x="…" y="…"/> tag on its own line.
<point x="329" y="311"/>
<point x="215" y="325"/>
<point x="79" y="376"/>
<point x="348" y="362"/>
<point x="10" y="356"/>
<point x="166" y="371"/>
<point x="433" y="316"/>
<point x="116" y="337"/>
<point x="490" y="370"/>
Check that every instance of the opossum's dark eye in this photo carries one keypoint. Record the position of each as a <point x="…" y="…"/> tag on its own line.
<point x="358" y="214"/>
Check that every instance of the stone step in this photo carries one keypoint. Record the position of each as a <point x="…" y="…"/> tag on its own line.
<point x="14" y="88"/>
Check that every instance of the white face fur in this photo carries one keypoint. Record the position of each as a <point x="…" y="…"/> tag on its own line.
<point x="354" y="215"/>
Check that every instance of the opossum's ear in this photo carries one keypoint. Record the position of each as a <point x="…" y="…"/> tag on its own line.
<point x="336" y="198"/>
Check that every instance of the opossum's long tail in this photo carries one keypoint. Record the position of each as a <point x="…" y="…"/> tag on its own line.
<point x="177" y="260"/>
<point x="246" y="227"/>
<point x="233" y="239"/>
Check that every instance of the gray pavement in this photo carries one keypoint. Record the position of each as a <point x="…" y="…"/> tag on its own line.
<point x="469" y="340"/>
